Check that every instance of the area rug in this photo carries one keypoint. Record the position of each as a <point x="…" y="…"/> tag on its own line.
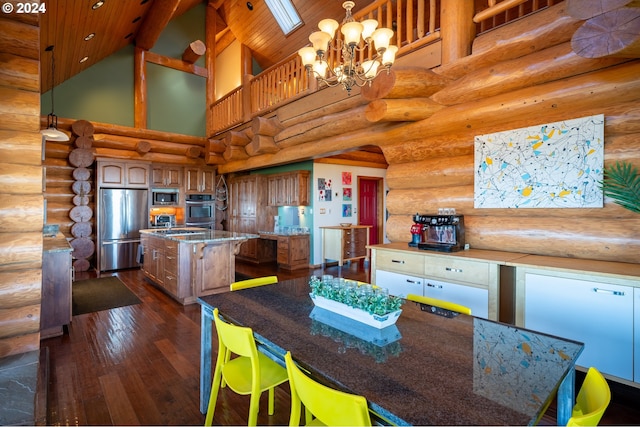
<point x="100" y="294"/>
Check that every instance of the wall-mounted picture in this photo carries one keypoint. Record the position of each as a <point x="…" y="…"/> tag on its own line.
<point x="346" y="194"/>
<point x="554" y="165"/>
<point x="346" y="178"/>
<point x="346" y="210"/>
<point x="324" y="190"/>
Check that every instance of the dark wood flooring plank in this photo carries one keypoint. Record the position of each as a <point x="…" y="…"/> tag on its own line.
<point x="120" y="407"/>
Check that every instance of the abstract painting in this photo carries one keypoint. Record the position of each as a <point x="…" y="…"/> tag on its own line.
<point x="555" y="165"/>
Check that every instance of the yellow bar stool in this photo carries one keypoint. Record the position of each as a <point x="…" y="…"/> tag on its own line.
<point x="251" y="372"/>
<point x="252" y="283"/>
<point x="323" y="405"/>
<point x="593" y="399"/>
<point x="439" y="303"/>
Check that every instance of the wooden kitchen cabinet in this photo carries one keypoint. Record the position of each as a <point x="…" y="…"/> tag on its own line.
<point x="249" y="213"/>
<point x="122" y="174"/>
<point x="200" y="180"/>
<point x="289" y="189"/>
<point x="293" y="251"/>
<point x="153" y="259"/>
<point x="166" y="176"/>
<point x="345" y="243"/>
<point x="57" y="278"/>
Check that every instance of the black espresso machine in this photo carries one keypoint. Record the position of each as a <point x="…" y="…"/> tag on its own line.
<point x="444" y="233"/>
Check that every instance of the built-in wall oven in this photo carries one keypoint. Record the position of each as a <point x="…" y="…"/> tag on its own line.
<point x="200" y="210"/>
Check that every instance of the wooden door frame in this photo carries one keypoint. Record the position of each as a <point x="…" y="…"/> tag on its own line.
<point x="380" y="204"/>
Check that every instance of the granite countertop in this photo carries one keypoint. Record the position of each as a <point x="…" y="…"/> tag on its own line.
<point x="435" y="371"/>
<point x="197" y="235"/>
<point x="269" y="234"/>
<point x="55" y="243"/>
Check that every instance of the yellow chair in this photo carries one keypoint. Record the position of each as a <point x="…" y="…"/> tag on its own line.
<point x="439" y="303"/>
<point x="593" y="398"/>
<point x="323" y="405"/>
<point x="252" y="283"/>
<point x="251" y="372"/>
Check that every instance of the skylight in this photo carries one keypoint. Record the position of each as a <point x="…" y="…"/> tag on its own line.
<point x="285" y="13"/>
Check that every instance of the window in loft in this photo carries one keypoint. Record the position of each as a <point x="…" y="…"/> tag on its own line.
<point x="285" y="13"/>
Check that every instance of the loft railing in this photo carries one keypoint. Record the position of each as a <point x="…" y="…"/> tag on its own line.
<point x="417" y="23"/>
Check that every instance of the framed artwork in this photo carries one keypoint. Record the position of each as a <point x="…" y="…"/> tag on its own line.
<point x="346" y="178"/>
<point x="346" y="210"/>
<point x="346" y="194"/>
<point x="554" y="165"/>
<point x="324" y="190"/>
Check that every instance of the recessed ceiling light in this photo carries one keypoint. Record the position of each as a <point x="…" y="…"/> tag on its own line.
<point x="89" y="36"/>
<point x="97" y="4"/>
<point x="84" y="59"/>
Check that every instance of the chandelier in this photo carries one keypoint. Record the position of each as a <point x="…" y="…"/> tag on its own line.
<point x="358" y="36"/>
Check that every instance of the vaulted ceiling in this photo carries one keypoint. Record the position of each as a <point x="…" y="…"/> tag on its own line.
<point x="109" y="25"/>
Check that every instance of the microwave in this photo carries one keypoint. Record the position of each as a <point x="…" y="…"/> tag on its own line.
<point x="165" y="197"/>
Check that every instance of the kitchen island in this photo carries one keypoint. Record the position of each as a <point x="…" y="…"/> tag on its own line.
<point x="191" y="262"/>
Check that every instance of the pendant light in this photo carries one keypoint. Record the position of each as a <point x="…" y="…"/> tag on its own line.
<point x="51" y="133"/>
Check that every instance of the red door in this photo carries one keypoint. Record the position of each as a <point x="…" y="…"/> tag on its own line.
<point x="368" y="200"/>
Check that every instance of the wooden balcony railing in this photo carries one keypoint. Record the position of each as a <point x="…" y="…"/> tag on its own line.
<point x="417" y="23"/>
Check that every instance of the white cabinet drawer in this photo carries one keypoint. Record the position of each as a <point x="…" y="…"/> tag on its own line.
<point x="400" y="262"/>
<point x="457" y="270"/>
<point x="477" y="299"/>
<point x="398" y="284"/>
<point x="598" y="314"/>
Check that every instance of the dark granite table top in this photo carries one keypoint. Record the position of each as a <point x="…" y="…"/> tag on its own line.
<point x="426" y="369"/>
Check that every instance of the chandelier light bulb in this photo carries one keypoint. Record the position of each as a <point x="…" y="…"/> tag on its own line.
<point x="381" y="38"/>
<point x="329" y="26"/>
<point x="370" y="68"/>
<point x="307" y="55"/>
<point x="389" y="55"/>
<point x="320" y="68"/>
<point x="369" y="26"/>
<point x="320" y="41"/>
<point x="351" y="32"/>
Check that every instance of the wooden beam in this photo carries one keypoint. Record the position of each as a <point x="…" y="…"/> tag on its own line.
<point x="194" y="51"/>
<point x="615" y="33"/>
<point x="176" y="64"/>
<point x="154" y="23"/>
<point x="139" y="89"/>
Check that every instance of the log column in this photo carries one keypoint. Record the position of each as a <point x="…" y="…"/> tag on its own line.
<point x="82" y="157"/>
<point x="458" y="29"/>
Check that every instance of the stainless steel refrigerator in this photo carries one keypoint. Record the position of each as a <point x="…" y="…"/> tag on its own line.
<point x="121" y="214"/>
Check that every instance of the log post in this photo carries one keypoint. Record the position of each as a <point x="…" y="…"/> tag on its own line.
<point x="407" y="82"/>
<point x="261" y="144"/>
<point x="194" y="51"/>
<point x="585" y="9"/>
<point x="456" y="17"/>
<point x="264" y="126"/>
<point x="615" y="33"/>
<point x="401" y="110"/>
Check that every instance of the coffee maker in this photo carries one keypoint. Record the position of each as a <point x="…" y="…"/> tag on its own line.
<point x="443" y="233"/>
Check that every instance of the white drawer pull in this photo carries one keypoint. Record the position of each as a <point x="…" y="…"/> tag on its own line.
<point x="398" y="261"/>
<point x="608" y="291"/>
<point x="434" y="286"/>
<point x="454" y="270"/>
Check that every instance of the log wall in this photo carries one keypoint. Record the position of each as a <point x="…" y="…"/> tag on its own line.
<point x="21" y="201"/>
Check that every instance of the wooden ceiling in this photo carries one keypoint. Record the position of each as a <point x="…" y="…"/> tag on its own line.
<point x="118" y="23"/>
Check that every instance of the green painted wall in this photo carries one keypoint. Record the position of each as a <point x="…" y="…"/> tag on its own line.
<point x="104" y="91"/>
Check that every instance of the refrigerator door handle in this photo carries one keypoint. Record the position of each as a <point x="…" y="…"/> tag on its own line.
<point x="117" y="242"/>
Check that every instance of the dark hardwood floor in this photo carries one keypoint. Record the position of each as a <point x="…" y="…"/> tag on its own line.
<point x="139" y="365"/>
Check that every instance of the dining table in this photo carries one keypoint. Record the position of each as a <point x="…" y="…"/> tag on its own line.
<point x="425" y="369"/>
